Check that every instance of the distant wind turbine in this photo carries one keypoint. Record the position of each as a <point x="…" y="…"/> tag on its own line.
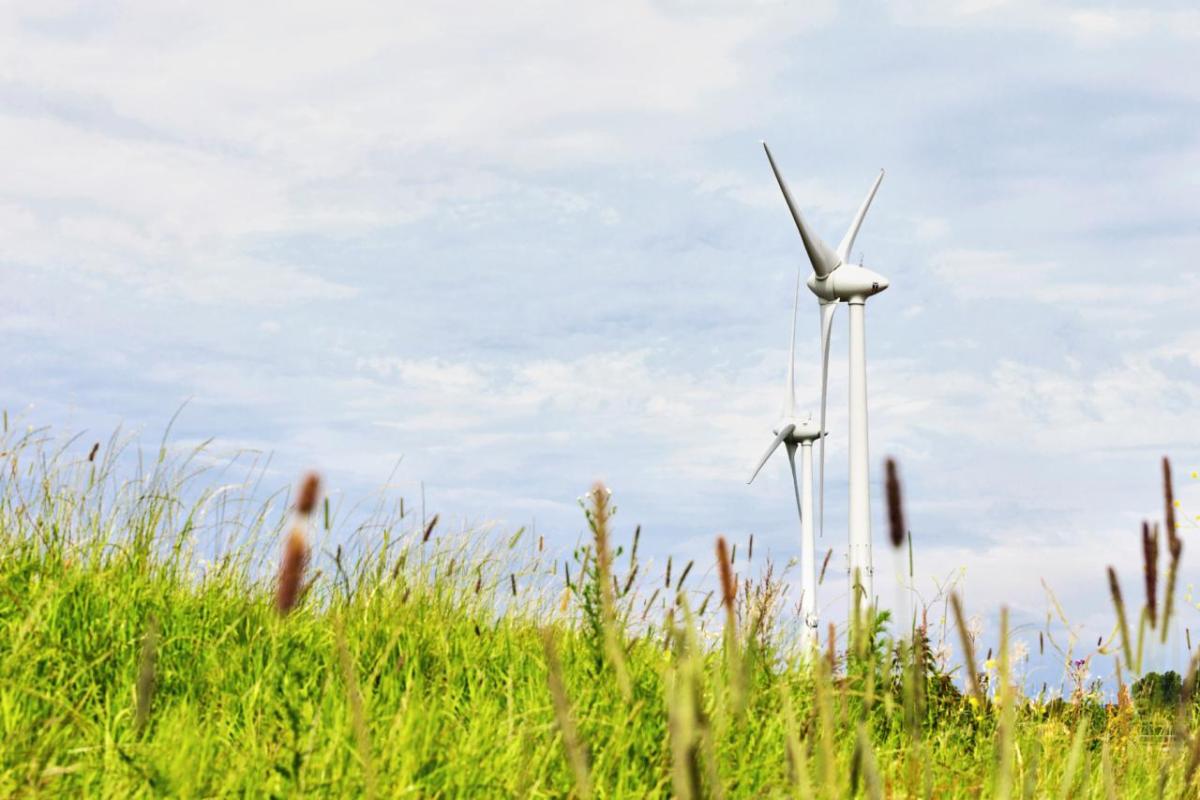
<point x="834" y="281"/>
<point x="793" y="432"/>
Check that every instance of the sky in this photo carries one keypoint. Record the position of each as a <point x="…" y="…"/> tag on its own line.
<point x="508" y="250"/>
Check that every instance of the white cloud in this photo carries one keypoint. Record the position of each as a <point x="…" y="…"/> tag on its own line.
<point x="1005" y="275"/>
<point x="526" y="245"/>
<point x="1089" y="26"/>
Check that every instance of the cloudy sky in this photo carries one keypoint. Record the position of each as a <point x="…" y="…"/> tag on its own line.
<point x="526" y="246"/>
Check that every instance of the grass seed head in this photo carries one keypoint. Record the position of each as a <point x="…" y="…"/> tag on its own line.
<point x="1114" y="588"/>
<point x="683" y="575"/>
<point x="1168" y="500"/>
<point x="306" y="498"/>
<point x="1150" y="570"/>
<point x="291" y="570"/>
<point x="895" y="504"/>
<point x="429" y="529"/>
<point x="1174" y="546"/>
<point x="728" y="584"/>
<point x="825" y="565"/>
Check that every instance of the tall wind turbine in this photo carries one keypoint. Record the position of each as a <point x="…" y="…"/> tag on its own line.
<point x="793" y="432"/>
<point x="833" y="281"/>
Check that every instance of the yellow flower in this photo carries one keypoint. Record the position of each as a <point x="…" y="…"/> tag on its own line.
<point x="1195" y="474"/>
<point x="990" y="664"/>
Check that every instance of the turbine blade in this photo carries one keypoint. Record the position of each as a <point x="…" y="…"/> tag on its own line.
<point x="824" y="260"/>
<point x="791" y="451"/>
<point x="827" y="311"/>
<point x="843" y="251"/>
<point x="784" y="433"/>
<point x="789" y="410"/>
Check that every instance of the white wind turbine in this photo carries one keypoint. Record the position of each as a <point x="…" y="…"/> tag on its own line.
<point x="833" y="281"/>
<point x="793" y="432"/>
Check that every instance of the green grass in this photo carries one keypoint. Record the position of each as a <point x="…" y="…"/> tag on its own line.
<point x="130" y="666"/>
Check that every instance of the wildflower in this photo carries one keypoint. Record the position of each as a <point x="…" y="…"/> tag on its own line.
<point x="975" y="626"/>
<point x="990" y="665"/>
<point x="1020" y="650"/>
<point x="1079" y="674"/>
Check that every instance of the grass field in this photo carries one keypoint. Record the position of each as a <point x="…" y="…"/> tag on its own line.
<point x="153" y="642"/>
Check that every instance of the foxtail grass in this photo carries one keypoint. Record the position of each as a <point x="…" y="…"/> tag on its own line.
<point x="1174" y="548"/>
<point x="1114" y="588"/>
<point x="150" y="650"/>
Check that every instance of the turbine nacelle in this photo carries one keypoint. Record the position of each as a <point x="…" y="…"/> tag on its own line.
<point x="847" y="283"/>
<point x="802" y="430"/>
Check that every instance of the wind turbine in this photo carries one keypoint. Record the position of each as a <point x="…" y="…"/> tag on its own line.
<point x="833" y="281"/>
<point x="793" y="432"/>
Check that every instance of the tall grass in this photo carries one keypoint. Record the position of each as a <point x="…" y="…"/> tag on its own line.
<point x="165" y="632"/>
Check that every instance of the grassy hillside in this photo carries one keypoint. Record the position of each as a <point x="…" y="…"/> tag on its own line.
<point x="150" y="647"/>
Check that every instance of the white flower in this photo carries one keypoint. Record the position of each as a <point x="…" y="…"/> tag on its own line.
<point x="975" y="626"/>
<point x="1020" y="650"/>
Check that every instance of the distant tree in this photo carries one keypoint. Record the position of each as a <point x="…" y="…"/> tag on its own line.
<point x="1156" y="691"/>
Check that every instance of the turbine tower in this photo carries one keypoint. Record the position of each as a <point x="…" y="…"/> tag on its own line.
<point x="794" y="432"/>
<point x="834" y="281"/>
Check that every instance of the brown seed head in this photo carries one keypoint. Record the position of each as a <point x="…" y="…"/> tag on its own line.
<point x="291" y="570"/>
<point x="728" y="585"/>
<point x="825" y="565"/>
<point x="600" y="511"/>
<point x="95" y="449"/>
<point x="895" y="504"/>
<point x="683" y="575"/>
<point x="1168" y="500"/>
<point x="1150" y="570"/>
<point x="600" y="497"/>
<point x="1174" y="546"/>
<point x="1174" y="542"/>
<point x="429" y="529"/>
<point x="1114" y="587"/>
<point x="306" y="498"/>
